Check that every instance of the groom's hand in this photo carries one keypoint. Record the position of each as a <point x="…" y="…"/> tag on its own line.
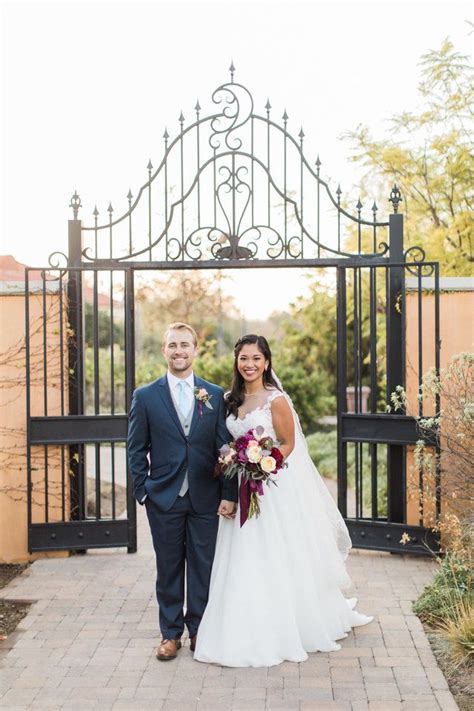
<point x="227" y="509"/>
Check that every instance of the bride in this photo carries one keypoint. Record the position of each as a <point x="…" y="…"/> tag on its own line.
<point x="277" y="581"/>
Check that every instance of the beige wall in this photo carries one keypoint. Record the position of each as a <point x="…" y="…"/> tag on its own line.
<point x="13" y="476"/>
<point x="457" y="335"/>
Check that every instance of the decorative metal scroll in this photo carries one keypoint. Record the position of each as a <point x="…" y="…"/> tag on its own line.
<point x="417" y="255"/>
<point x="233" y="185"/>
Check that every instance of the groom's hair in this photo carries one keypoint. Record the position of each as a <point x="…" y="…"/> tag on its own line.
<point x="179" y="326"/>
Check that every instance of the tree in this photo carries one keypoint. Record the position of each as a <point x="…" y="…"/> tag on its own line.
<point x="305" y="358"/>
<point x="193" y="297"/>
<point x="310" y="333"/>
<point x="103" y="327"/>
<point x="429" y="154"/>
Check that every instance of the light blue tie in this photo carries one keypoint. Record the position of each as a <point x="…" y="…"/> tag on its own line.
<point x="182" y="399"/>
<point x="183" y="407"/>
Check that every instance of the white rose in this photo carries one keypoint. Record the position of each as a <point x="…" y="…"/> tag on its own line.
<point x="268" y="464"/>
<point x="228" y="458"/>
<point x="254" y="454"/>
<point x="252" y="443"/>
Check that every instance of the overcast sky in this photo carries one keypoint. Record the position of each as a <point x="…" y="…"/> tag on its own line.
<point x="89" y="88"/>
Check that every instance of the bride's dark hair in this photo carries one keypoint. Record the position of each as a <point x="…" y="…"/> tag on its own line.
<point x="236" y="396"/>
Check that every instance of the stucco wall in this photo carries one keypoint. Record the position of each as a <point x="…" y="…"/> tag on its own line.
<point x="457" y="335"/>
<point x="13" y="475"/>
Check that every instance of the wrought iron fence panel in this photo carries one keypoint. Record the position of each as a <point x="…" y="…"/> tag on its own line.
<point x="377" y="414"/>
<point x="79" y="383"/>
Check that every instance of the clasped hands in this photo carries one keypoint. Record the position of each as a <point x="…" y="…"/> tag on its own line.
<point x="227" y="509"/>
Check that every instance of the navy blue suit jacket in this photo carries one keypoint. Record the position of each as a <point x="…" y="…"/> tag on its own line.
<point x="159" y="451"/>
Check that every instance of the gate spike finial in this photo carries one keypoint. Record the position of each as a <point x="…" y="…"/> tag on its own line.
<point x="197" y="108"/>
<point x="95" y="211"/>
<point x="338" y="191"/>
<point x="318" y="163"/>
<point x="110" y="210"/>
<point x="129" y="196"/>
<point x="301" y="133"/>
<point x="150" y="165"/>
<point x="359" y="205"/>
<point x="374" y="208"/>
<point x="395" y="197"/>
<point x="75" y="204"/>
<point x="181" y="119"/>
<point x="166" y="135"/>
<point x="232" y="71"/>
<point x="285" y="116"/>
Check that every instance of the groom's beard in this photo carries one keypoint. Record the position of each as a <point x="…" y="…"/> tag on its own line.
<point x="181" y="366"/>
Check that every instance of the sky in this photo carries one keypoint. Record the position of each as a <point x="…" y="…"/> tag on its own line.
<point x="88" y="89"/>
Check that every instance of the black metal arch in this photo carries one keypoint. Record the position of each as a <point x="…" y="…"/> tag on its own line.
<point x="230" y="216"/>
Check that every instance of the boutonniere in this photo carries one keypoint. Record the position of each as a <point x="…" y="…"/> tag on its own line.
<point x="203" y="397"/>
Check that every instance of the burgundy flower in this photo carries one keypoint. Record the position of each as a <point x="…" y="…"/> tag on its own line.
<point x="277" y="456"/>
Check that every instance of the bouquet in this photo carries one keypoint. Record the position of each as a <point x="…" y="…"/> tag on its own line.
<point x="256" y="457"/>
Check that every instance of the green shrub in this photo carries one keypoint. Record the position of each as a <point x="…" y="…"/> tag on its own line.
<point x="308" y="391"/>
<point x="322" y="447"/>
<point x="451" y="587"/>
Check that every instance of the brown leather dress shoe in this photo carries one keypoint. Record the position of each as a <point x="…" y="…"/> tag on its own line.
<point x="168" y="649"/>
<point x="193" y="643"/>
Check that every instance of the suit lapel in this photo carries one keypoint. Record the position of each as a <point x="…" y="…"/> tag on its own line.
<point x="164" y="391"/>
<point x="197" y="383"/>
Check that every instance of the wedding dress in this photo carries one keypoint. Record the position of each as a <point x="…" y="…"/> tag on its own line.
<point x="277" y="581"/>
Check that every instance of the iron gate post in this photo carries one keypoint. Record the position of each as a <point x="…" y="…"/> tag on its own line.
<point x="129" y="388"/>
<point x="76" y="360"/>
<point x="341" y="356"/>
<point x="396" y="460"/>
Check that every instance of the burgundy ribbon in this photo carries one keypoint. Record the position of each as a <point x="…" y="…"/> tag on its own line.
<point x="244" y="500"/>
<point x="246" y="488"/>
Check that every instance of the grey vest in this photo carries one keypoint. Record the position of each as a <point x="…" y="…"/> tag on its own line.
<point x="186" y="425"/>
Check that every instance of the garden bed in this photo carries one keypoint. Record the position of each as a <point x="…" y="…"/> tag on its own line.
<point x="459" y="678"/>
<point x="445" y="608"/>
<point x="11" y="611"/>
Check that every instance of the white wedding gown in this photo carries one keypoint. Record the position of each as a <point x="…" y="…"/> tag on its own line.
<point x="276" y="583"/>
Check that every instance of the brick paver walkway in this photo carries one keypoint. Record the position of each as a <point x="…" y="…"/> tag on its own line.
<point x="89" y="639"/>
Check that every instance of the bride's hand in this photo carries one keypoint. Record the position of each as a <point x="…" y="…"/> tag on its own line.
<point x="227" y="509"/>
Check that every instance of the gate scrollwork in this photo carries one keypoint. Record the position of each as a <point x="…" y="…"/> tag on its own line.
<point x="234" y="185"/>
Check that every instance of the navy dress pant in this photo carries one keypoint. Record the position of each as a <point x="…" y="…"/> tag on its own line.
<point x="184" y="543"/>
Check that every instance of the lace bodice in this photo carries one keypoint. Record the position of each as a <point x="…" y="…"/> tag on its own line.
<point x="256" y="410"/>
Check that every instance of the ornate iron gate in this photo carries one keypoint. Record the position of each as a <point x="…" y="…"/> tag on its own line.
<point x="375" y="508"/>
<point x="78" y="493"/>
<point x="246" y="197"/>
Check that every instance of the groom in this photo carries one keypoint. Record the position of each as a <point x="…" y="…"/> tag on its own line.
<point x="176" y="427"/>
